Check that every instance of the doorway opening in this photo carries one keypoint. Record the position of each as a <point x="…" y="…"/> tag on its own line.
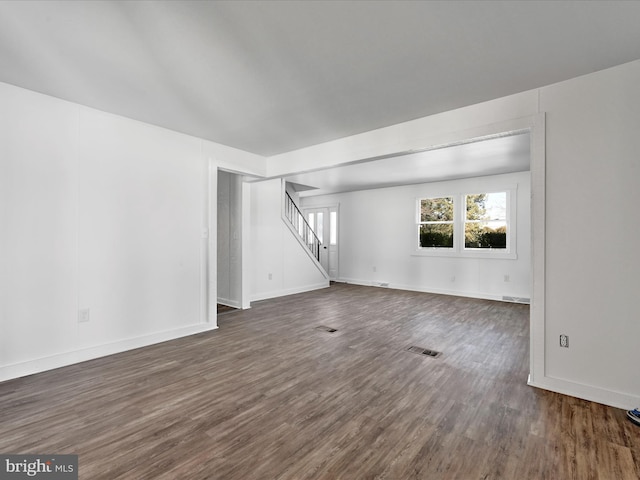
<point x="229" y="240"/>
<point x="446" y="163"/>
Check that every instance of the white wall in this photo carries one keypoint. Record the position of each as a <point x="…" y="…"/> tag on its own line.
<point x="377" y="231"/>
<point x="102" y="213"/>
<point x="592" y="167"/>
<point x="140" y="245"/>
<point x="38" y="222"/>
<point x="279" y="263"/>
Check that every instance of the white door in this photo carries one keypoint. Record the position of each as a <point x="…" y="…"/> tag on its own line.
<point x="324" y="222"/>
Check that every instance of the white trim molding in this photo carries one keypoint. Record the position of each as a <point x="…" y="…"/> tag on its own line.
<point x="43" y="364"/>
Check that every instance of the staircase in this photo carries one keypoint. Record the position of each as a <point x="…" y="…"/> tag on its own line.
<point x="300" y="225"/>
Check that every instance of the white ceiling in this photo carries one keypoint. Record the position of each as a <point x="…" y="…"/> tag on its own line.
<point x="487" y="157"/>
<point x="269" y="77"/>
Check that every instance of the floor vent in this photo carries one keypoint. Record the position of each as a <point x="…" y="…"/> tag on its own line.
<point x="326" y="329"/>
<point x="424" y="351"/>
<point x="516" y="299"/>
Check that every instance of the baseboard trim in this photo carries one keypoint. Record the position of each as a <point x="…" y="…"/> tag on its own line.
<point x="587" y="392"/>
<point x="229" y="303"/>
<point x="288" y="291"/>
<point x="30" y="367"/>
<point x="438" y="291"/>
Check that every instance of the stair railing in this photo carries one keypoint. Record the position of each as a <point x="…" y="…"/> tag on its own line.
<point x="300" y="224"/>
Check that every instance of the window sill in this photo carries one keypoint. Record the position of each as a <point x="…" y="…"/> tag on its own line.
<point x="450" y="252"/>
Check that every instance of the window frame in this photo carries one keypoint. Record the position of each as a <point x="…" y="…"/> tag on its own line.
<point x="466" y="221"/>
<point x="437" y="222"/>
<point x="459" y="207"/>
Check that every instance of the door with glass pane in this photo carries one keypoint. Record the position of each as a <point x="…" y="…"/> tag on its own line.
<point x="324" y="222"/>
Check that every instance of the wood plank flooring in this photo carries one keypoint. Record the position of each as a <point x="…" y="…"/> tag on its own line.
<point x="269" y="396"/>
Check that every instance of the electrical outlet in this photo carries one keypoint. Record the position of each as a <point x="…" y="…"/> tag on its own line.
<point x="83" y="315"/>
<point x="270" y="276"/>
<point x="506" y="278"/>
<point x="564" y="341"/>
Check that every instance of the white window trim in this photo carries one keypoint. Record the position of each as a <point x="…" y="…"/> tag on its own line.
<point x="418" y="214"/>
<point x="458" y="250"/>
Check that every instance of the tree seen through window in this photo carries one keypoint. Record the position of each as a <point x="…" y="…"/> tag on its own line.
<point x="482" y="219"/>
<point x="486" y="221"/>
<point x="436" y="222"/>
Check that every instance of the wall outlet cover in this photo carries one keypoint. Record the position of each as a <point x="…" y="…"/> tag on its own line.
<point x="84" y="315"/>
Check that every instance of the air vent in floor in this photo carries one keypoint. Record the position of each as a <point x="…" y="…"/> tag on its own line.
<point x="424" y="351"/>
<point x="326" y="329"/>
<point x="516" y="299"/>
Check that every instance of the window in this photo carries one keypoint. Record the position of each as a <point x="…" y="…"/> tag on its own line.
<point x="333" y="228"/>
<point x="316" y="226"/>
<point x="468" y="225"/>
<point x="485" y="224"/>
<point x="311" y="220"/>
<point x="436" y="222"/>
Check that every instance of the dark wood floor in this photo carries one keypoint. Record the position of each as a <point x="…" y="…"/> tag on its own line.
<point x="268" y="396"/>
